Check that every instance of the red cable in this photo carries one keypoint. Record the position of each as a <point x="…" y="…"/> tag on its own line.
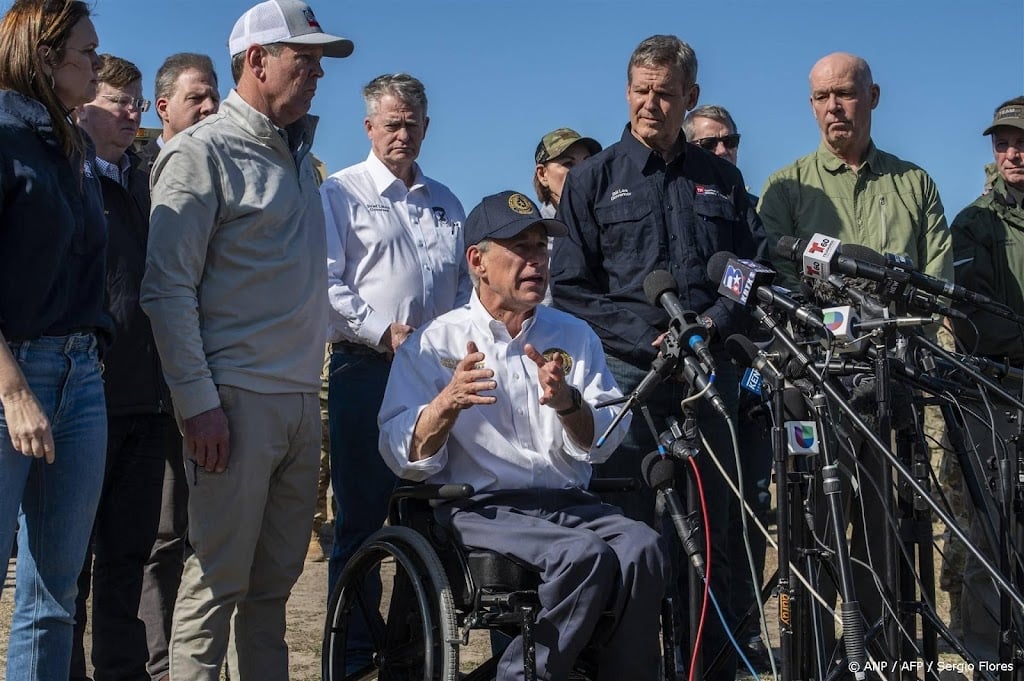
<point x="707" y="566"/>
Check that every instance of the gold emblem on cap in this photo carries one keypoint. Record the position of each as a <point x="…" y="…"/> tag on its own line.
<point x="566" y="358"/>
<point x="520" y="204"/>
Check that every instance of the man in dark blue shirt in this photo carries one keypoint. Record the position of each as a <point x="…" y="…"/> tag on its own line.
<point x="651" y="201"/>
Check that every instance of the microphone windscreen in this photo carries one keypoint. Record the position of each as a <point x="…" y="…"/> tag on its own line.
<point x="658" y="472"/>
<point x="795" y="405"/>
<point x="658" y="282"/>
<point x="717" y="264"/>
<point x="741" y="349"/>
<point x="790" y="247"/>
<point x="863" y="253"/>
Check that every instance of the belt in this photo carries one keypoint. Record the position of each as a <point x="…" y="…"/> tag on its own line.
<point x="350" y="348"/>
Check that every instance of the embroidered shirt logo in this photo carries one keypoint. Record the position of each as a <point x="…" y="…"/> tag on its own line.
<point x="453" y="364"/>
<point x="566" y="358"/>
<point x="704" y="190"/>
<point x="620" y="193"/>
<point x="378" y="208"/>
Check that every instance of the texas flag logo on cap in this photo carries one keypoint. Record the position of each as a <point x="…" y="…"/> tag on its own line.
<point x="310" y="19"/>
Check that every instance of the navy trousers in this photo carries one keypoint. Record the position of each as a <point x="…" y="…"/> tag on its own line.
<point x="592" y="560"/>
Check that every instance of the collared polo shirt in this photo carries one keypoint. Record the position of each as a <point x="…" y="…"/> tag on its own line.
<point x="889" y="205"/>
<point x="515" y="443"/>
<point x="629" y="213"/>
<point x="394" y="254"/>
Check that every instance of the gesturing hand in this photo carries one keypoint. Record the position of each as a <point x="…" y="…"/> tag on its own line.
<point x="555" y="392"/>
<point x="463" y="391"/>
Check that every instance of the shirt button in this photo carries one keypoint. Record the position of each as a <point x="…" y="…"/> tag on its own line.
<point x="419" y="243"/>
<point x="521" y="412"/>
<point x="515" y="376"/>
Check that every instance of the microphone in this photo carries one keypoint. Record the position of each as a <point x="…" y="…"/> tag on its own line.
<point x="822" y="255"/>
<point x="661" y="290"/>
<point x="740" y="279"/>
<point x="743" y="350"/>
<point x="660" y="473"/>
<point x="694" y="375"/>
<point x="893" y="282"/>
<point x="801" y="430"/>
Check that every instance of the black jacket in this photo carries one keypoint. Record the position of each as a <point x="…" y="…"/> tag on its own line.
<point x="132" y="374"/>
<point x="630" y="213"/>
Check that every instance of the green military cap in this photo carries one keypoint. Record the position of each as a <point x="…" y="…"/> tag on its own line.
<point x="1011" y="115"/>
<point x="554" y="144"/>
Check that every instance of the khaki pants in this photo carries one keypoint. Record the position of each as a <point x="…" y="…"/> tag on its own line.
<point x="249" y="529"/>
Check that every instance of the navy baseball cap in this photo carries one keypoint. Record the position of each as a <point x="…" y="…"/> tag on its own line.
<point x="504" y="215"/>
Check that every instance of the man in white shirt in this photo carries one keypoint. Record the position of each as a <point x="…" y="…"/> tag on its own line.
<point x="394" y="262"/>
<point x="501" y="394"/>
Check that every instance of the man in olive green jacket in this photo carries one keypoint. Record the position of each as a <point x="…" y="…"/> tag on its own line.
<point x="988" y="246"/>
<point x="850" y="189"/>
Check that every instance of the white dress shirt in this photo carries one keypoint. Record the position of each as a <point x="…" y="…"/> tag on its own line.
<point x="515" y="443"/>
<point x="393" y="254"/>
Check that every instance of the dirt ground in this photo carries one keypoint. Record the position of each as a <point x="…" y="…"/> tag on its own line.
<point x="306" y="612"/>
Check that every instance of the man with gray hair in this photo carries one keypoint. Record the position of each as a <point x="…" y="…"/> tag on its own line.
<point x="653" y="202"/>
<point x="712" y="129"/>
<point x="235" y="290"/>
<point x="394" y="262"/>
<point x="185" y="93"/>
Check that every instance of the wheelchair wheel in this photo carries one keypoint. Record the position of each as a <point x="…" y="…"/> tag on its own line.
<point x="413" y="633"/>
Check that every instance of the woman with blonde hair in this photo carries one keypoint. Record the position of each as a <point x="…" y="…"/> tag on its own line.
<point x="52" y="244"/>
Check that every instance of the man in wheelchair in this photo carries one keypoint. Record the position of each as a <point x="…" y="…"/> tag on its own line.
<point x="499" y="394"/>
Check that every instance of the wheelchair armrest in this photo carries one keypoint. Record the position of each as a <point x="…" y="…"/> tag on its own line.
<point x="608" y="485"/>
<point x="446" y="492"/>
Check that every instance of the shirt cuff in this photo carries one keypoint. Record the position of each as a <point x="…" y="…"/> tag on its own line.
<point x="195" y="398"/>
<point x="373" y="328"/>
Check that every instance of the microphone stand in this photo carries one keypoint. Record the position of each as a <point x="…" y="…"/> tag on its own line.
<point x="1008" y="500"/>
<point x="800" y="358"/>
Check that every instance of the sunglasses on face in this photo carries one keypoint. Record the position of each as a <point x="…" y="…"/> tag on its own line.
<point x="711" y="143"/>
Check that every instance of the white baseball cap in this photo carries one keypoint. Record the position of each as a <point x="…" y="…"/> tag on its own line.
<point x="284" y="21"/>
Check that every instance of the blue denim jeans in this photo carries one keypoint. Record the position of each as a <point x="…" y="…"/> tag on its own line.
<point x="53" y="505"/>
<point x="362" y="481"/>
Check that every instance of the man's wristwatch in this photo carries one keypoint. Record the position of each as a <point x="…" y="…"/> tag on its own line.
<point x="577" y="403"/>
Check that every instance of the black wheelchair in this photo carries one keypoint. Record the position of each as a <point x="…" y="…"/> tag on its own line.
<point x="440" y="591"/>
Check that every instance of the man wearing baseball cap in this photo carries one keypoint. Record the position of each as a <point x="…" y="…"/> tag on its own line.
<point x="234" y="289"/>
<point x="516" y="419"/>
<point x="988" y="257"/>
<point x="558" y="152"/>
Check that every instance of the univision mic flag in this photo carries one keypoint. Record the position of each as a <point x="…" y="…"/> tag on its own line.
<point x="802" y="437"/>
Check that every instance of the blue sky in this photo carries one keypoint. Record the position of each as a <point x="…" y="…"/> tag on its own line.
<point x="500" y="74"/>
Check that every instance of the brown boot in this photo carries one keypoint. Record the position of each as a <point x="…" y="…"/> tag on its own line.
<point x="315" y="552"/>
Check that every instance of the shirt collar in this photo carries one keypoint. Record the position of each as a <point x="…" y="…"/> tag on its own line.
<point x="641" y="154"/>
<point x="1007" y="195"/>
<point x="118" y="173"/>
<point x="494" y="330"/>
<point x="297" y="137"/>
<point x="383" y="178"/>
<point x="873" y="161"/>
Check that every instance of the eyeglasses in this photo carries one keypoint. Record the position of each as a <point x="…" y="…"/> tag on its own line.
<point x="126" y="101"/>
<point x="711" y="143"/>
